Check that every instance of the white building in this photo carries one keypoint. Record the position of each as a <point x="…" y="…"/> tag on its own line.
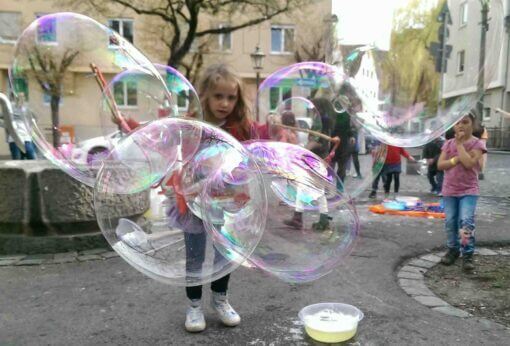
<point x="463" y="64"/>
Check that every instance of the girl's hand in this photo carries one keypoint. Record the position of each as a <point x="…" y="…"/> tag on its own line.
<point x="459" y="137"/>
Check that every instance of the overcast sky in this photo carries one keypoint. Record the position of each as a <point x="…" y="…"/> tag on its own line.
<point x="367" y="21"/>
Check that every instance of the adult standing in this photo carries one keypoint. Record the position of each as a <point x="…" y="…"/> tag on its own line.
<point x="347" y="134"/>
<point x="19" y="113"/>
<point x="431" y="153"/>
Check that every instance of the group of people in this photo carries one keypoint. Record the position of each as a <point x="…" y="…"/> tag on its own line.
<point x="224" y="103"/>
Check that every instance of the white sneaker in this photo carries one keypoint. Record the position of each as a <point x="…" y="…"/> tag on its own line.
<point x="195" y="321"/>
<point x="226" y="313"/>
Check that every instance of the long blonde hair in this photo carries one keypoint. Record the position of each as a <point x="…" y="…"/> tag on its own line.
<point x="240" y="118"/>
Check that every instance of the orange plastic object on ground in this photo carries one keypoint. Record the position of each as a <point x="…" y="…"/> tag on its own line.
<point x="380" y="209"/>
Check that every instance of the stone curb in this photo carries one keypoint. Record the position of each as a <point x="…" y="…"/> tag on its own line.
<point x="58" y="258"/>
<point x="411" y="279"/>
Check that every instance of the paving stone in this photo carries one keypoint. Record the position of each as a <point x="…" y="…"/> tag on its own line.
<point x="488" y="324"/>
<point x="39" y="256"/>
<point x="32" y="262"/>
<point x="421" y="263"/>
<point x="89" y="258"/>
<point x="8" y="262"/>
<point x="485" y="252"/>
<point x="452" y="311"/>
<point x="92" y="252"/>
<point x="110" y="254"/>
<point x="12" y="257"/>
<point x="504" y="252"/>
<point x="440" y="253"/>
<point x="431" y="258"/>
<point x="408" y="275"/>
<point x="422" y="291"/>
<point x="60" y="255"/>
<point x="418" y="284"/>
<point x="412" y="269"/>
<point x="431" y="301"/>
<point x="63" y="260"/>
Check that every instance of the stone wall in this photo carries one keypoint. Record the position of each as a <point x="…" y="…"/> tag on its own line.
<point x="37" y="199"/>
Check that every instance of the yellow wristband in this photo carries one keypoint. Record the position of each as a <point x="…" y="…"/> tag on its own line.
<point x="453" y="161"/>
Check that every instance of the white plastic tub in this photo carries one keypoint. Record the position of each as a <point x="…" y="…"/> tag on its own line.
<point x="331" y="322"/>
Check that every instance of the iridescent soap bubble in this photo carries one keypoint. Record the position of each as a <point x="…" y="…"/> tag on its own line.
<point x="175" y="97"/>
<point x="157" y="229"/>
<point x="310" y="226"/>
<point x="55" y="61"/>
<point x="294" y="121"/>
<point x="309" y="89"/>
<point x="413" y="72"/>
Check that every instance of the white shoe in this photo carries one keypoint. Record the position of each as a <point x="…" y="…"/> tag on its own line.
<point x="195" y="321"/>
<point x="226" y="313"/>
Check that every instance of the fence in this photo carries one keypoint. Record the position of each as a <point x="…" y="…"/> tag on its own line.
<point x="499" y="138"/>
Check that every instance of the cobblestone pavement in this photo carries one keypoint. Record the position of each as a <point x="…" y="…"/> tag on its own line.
<point x="94" y="297"/>
<point x="411" y="280"/>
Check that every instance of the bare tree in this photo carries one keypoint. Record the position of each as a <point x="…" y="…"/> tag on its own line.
<point x="183" y="18"/>
<point x="49" y="73"/>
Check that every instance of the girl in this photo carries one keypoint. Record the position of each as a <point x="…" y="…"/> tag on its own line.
<point x="392" y="168"/>
<point x="460" y="157"/>
<point x="224" y="104"/>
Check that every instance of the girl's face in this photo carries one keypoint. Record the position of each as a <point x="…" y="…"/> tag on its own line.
<point x="223" y="98"/>
<point x="465" y="125"/>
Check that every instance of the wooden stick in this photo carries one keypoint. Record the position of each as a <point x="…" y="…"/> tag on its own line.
<point x="110" y="100"/>
<point x="312" y="132"/>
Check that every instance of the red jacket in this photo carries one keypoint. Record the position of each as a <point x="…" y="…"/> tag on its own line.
<point x="394" y="153"/>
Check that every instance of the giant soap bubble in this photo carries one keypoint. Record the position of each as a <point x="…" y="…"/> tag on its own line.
<point x="158" y="230"/>
<point x="311" y="226"/>
<point x="176" y="97"/>
<point x="411" y="71"/>
<point x="306" y="93"/>
<point x="50" y="59"/>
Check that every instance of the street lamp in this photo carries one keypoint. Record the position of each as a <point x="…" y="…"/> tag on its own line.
<point x="256" y="58"/>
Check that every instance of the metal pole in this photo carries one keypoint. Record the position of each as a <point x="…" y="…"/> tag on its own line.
<point x="257" y="82"/>
<point x="443" y="63"/>
<point x="503" y="103"/>
<point x="481" y="62"/>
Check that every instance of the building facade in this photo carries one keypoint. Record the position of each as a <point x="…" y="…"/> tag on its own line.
<point x="463" y="65"/>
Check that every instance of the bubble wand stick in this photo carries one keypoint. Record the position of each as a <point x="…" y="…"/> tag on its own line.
<point x="314" y="133"/>
<point x="110" y="100"/>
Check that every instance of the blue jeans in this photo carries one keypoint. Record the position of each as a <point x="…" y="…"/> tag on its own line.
<point x="195" y="244"/>
<point x="17" y="154"/>
<point x="460" y="214"/>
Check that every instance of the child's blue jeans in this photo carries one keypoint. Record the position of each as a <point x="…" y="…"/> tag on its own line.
<point x="460" y="214"/>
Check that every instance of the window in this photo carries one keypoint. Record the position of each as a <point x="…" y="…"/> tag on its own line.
<point x="461" y="57"/>
<point x="486" y="113"/>
<point x="277" y="95"/>
<point x="47" y="28"/>
<point x="463" y="14"/>
<point x="224" y="40"/>
<point x="10" y="26"/>
<point x="123" y="26"/>
<point x="126" y="93"/>
<point x="282" y="39"/>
